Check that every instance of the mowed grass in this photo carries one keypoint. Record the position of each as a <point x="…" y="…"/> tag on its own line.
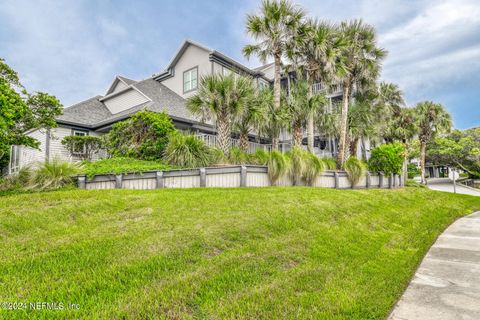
<point x="267" y="253"/>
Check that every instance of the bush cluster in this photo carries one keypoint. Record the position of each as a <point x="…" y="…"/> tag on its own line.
<point x="143" y="136"/>
<point x="387" y="158"/>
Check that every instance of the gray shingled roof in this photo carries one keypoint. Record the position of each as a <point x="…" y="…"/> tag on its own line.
<point x="94" y="113"/>
<point x="87" y="112"/>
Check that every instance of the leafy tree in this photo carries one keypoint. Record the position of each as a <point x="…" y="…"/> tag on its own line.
<point x="387" y="158"/>
<point x="273" y="30"/>
<point x="432" y="119"/>
<point x="224" y="99"/>
<point x="21" y="111"/>
<point x="84" y="147"/>
<point x="359" y="62"/>
<point x="460" y="149"/>
<point x="143" y="136"/>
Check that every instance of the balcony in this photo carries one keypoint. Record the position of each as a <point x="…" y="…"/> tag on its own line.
<point x="335" y="89"/>
<point x="211" y="141"/>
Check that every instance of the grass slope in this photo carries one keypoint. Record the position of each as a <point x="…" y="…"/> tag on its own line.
<point x="268" y="253"/>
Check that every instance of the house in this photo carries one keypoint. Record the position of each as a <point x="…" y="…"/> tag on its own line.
<point x="163" y="92"/>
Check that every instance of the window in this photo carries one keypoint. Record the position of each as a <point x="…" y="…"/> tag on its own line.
<point x="80" y="147"/>
<point x="190" y="79"/>
<point x="262" y="84"/>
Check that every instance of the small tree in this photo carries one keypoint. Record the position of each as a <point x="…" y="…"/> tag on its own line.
<point x="387" y="158"/>
<point x="84" y="147"/>
<point x="143" y="136"/>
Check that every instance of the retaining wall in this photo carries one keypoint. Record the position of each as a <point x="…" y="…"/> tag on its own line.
<point x="228" y="177"/>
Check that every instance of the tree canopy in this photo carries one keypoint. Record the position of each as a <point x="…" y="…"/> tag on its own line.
<point x="21" y="111"/>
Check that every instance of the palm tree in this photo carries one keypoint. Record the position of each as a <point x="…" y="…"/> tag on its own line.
<point x="273" y="31"/>
<point x="250" y="119"/>
<point x="223" y="99"/>
<point x="359" y="62"/>
<point x="301" y="108"/>
<point x="315" y="49"/>
<point x="390" y="102"/>
<point x="432" y="119"/>
<point x="274" y="119"/>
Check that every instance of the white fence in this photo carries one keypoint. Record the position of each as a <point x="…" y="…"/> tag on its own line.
<point x="227" y="177"/>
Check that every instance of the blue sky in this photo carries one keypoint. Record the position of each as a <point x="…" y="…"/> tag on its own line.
<point x="73" y="49"/>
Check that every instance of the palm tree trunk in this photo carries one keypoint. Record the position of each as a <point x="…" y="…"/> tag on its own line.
<point x="310" y="120"/>
<point x="274" y="143"/>
<point x="353" y="147"/>
<point x="224" y="133"/>
<point x="297" y="135"/>
<point x="310" y="133"/>
<point x="244" y="141"/>
<point x="423" y="146"/>
<point x="276" y="93"/>
<point x="343" y="124"/>
<point x="364" y="149"/>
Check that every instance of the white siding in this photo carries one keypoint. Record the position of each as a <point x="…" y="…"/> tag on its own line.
<point x="119" y="86"/>
<point x="57" y="150"/>
<point x="125" y="100"/>
<point x="192" y="57"/>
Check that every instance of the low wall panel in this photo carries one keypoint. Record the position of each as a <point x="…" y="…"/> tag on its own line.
<point x="257" y="179"/>
<point x="374" y="180"/>
<point x="139" y="184"/>
<point x="225" y="180"/>
<point x="182" y="182"/>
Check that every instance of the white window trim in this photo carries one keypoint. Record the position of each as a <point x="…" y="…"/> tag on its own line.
<point x="83" y="134"/>
<point x="189" y="73"/>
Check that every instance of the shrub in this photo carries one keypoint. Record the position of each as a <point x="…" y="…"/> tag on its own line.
<point x="414" y="184"/>
<point x="238" y="156"/>
<point x="54" y="174"/>
<point x="121" y="165"/>
<point x="387" y="158"/>
<point x="16" y="180"/>
<point x="413" y="170"/>
<point x="217" y="157"/>
<point x="83" y="147"/>
<point x="329" y="163"/>
<point x="314" y="166"/>
<point x="260" y="157"/>
<point x="143" y="136"/>
<point x="296" y="157"/>
<point x="277" y="166"/>
<point x="187" y="151"/>
<point x="355" y="170"/>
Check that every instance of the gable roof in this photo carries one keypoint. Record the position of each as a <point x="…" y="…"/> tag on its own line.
<point x="93" y="113"/>
<point x="215" y="55"/>
<point x="118" y="79"/>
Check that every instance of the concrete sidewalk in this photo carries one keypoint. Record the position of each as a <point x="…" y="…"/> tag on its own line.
<point x="447" y="283"/>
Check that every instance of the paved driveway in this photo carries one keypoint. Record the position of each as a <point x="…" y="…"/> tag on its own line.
<point x="447" y="283"/>
<point x="447" y="186"/>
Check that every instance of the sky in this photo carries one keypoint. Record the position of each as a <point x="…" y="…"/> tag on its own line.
<point x="74" y="49"/>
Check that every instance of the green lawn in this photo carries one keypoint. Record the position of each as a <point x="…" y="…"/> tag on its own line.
<point x="298" y="252"/>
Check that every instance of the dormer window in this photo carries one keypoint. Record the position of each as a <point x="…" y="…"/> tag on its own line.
<point x="190" y="80"/>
